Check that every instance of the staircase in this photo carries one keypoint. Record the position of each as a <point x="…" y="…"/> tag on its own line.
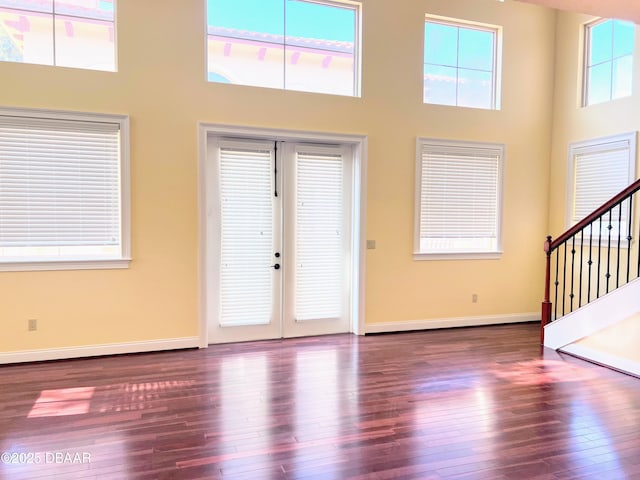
<point x="591" y="307"/>
<point x="615" y="346"/>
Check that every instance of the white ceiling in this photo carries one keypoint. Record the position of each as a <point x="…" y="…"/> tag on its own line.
<point x="624" y="9"/>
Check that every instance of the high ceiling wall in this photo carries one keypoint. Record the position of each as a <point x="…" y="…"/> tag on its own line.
<point x="625" y="9"/>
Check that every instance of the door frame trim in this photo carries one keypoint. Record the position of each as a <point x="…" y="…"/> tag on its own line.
<point x="358" y="246"/>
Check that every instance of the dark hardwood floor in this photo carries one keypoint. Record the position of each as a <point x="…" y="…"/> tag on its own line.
<point x="475" y="403"/>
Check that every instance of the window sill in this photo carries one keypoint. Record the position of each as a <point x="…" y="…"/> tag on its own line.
<point x="481" y="109"/>
<point x="44" y="265"/>
<point x="458" y="256"/>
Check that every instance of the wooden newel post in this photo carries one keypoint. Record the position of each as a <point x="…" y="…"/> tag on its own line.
<point x="546" y="304"/>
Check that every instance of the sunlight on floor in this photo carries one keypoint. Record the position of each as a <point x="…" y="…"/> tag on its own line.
<point x="61" y="402"/>
<point x="542" y="371"/>
<point x="122" y="397"/>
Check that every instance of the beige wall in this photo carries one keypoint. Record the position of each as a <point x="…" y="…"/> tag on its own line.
<point x="571" y="121"/>
<point x="161" y="85"/>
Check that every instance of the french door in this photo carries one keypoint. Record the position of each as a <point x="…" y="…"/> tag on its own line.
<point x="284" y="232"/>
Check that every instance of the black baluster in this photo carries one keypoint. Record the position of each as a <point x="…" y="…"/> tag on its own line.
<point x="573" y="269"/>
<point x="629" y="237"/>
<point x="619" y="243"/>
<point x="564" y="279"/>
<point x="581" y="263"/>
<point x="609" y="228"/>
<point x="599" y="258"/>
<point x="590" y="261"/>
<point x="638" y="242"/>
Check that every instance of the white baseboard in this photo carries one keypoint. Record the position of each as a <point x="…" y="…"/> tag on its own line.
<point x="98" y="350"/>
<point x="602" y="358"/>
<point x="451" y="322"/>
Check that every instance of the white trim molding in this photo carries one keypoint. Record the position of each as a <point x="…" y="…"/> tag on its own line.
<point x="98" y="350"/>
<point x="97" y="123"/>
<point x="39" y="266"/>
<point x="359" y="142"/>
<point x="452" y="322"/>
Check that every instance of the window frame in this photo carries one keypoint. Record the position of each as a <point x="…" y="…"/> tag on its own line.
<point x="500" y="150"/>
<point x="356" y="5"/>
<point x="593" y="146"/>
<point x="496" y="67"/>
<point x="54" y="15"/>
<point x="84" y="262"/>
<point x="586" y="32"/>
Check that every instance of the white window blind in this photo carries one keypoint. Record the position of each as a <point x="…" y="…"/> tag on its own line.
<point x="60" y="189"/>
<point x="459" y="197"/>
<point x="319" y="283"/>
<point x="246" y="195"/>
<point x="601" y="169"/>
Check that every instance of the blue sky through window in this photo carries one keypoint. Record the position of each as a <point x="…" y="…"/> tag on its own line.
<point x="455" y="46"/>
<point x="459" y="65"/>
<point x="609" y="68"/>
<point x="441" y="44"/>
<point x="601" y="43"/>
<point x="303" y="19"/>
<point x="476" y="49"/>
<point x="624" y="34"/>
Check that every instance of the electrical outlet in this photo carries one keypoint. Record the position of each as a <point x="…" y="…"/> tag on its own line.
<point x="474" y="298"/>
<point x="33" y="324"/>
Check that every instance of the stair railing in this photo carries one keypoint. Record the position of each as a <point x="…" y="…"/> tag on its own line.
<point x="592" y="258"/>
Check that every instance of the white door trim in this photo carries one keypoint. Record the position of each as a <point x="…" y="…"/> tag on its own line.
<point x="205" y="172"/>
